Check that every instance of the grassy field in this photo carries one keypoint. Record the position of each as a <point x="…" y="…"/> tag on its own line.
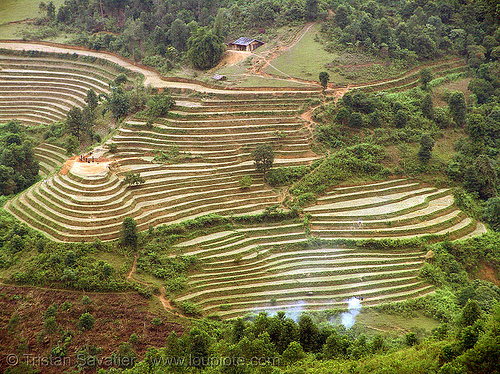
<point x="439" y="94"/>
<point x="304" y="60"/>
<point x="308" y="57"/>
<point x="18" y="10"/>
<point x="10" y="30"/>
<point x="382" y="322"/>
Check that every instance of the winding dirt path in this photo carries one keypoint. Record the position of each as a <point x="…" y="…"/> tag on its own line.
<point x="164" y="302"/>
<point x="132" y="269"/>
<point x="151" y="77"/>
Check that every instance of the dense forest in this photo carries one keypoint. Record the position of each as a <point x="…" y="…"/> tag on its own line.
<point x="161" y="33"/>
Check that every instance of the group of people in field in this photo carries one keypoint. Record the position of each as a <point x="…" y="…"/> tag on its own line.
<point x="86" y="158"/>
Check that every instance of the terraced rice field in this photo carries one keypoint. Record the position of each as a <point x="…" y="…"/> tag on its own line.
<point x="274" y="268"/>
<point x="393" y="209"/>
<point x="257" y="268"/>
<point x="50" y="157"/>
<point x="218" y="133"/>
<point x="41" y="90"/>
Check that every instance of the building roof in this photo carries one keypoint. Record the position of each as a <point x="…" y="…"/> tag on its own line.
<point x="245" y="41"/>
<point x="219" y="77"/>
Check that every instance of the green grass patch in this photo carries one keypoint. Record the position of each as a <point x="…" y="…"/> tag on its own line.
<point x="304" y="60"/>
<point x="18" y="10"/>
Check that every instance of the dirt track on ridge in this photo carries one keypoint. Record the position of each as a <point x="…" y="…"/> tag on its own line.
<point x="152" y="78"/>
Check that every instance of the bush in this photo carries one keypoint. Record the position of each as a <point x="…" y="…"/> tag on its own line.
<point x="360" y="160"/>
<point x="190" y="309"/>
<point x="286" y="176"/>
<point x="159" y="105"/>
<point x="86" y="321"/>
<point x="245" y="182"/>
<point x="133" y="179"/>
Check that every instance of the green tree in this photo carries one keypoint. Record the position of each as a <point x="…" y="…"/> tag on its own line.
<point x="470" y="313"/>
<point x="92" y="100"/>
<point x="205" y="49"/>
<point x="482" y="89"/>
<point x="457" y="107"/>
<point x="311" y="9"/>
<point x="492" y="213"/>
<point x="308" y="333"/>
<point x="263" y="157"/>
<point x="51" y="11"/>
<point x="7" y="183"/>
<point x="356" y="120"/>
<point x="133" y="179"/>
<point x="120" y="79"/>
<point x="129" y="231"/>
<point x="324" y="77"/>
<point x="119" y="104"/>
<point x="238" y="329"/>
<point x="178" y="34"/>
<point x="425" y="77"/>
<point x="476" y="127"/>
<point x="159" y="105"/>
<point x="74" y="120"/>
<point x="198" y="342"/>
<point x="401" y="118"/>
<point x="72" y="145"/>
<point x="86" y="321"/>
<point x="486" y="177"/>
<point x="293" y="353"/>
<point x="427" y="106"/>
<point x="425" y="150"/>
<point x="484" y="357"/>
<point x="336" y="346"/>
<point x="342" y="16"/>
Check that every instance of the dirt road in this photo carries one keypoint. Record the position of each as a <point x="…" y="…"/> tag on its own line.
<point x="151" y="77"/>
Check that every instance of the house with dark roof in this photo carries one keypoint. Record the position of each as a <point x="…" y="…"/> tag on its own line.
<point x="245" y="44"/>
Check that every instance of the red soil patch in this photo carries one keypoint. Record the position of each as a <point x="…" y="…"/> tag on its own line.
<point x="488" y="273"/>
<point x="117" y="316"/>
<point x="233" y="57"/>
<point x="98" y="166"/>
<point x="68" y="165"/>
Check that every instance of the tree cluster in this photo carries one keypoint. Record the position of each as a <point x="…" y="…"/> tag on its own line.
<point x="410" y="29"/>
<point x="18" y="166"/>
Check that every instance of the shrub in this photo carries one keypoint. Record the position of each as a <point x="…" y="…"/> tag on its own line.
<point x="86" y="300"/>
<point x="361" y="160"/>
<point x="86" y="321"/>
<point x="286" y="175"/>
<point x="190" y="309"/>
<point x="245" y="182"/>
<point x="133" y="179"/>
<point x="159" y="105"/>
